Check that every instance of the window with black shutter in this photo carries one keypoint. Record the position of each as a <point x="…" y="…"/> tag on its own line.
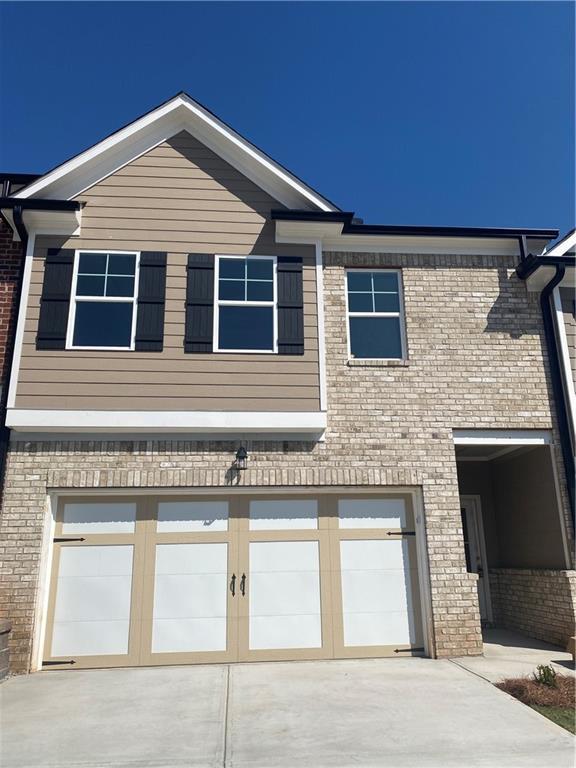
<point x="248" y="304"/>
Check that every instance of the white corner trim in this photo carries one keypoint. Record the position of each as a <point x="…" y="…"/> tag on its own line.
<point x="562" y="247"/>
<point x="565" y="358"/>
<point x="321" y="326"/>
<point x="180" y="113"/>
<point x="21" y="322"/>
<point x="43" y="592"/>
<point x="502" y="436"/>
<point x="221" y="422"/>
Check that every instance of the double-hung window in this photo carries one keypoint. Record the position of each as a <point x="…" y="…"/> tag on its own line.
<point x="103" y="305"/>
<point x="245" y="316"/>
<point x="375" y="314"/>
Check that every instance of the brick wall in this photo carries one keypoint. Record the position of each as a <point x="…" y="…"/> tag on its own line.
<point x="10" y="258"/>
<point x="540" y="604"/>
<point x="476" y="361"/>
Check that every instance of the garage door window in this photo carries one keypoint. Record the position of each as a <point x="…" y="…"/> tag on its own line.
<point x="192" y="516"/>
<point x="286" y="514"/>
<point x="372" y="513"/>
<point x="100" y="517"/>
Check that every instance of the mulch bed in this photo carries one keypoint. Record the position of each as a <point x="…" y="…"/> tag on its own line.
<point x="528" y="691"/>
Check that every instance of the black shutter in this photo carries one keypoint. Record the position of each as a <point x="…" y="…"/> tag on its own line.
<point x="199" y="303"/>
<point x="151" y="300"/>
<point x="290" y="306"/>
<point x="55" y="301"/>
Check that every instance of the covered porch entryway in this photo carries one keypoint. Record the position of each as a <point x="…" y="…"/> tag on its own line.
<point x="515" y="533"/>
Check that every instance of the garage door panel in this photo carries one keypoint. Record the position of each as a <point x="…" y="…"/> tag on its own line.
<point x="288" y="556"/>
<point x="197" y="558"/>
<point x="96" y="598"/>
<point x="390" y="590"/>
<point x="284" y="598"/>
<point x="375" y="629"/>
<point x="375" y="554"/>
<point x="88" y="560"/>
<point x="90" y="638"/>
<point x="92" y="601"/>
<point x="190" y="596"/>
<point x="273" y="594"/>
<point x="285" y="632"/>
<point x="379" y="593"/>
<point x="189" y="635"/>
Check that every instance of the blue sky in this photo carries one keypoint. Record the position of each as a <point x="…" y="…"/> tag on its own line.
<point x="457" y="113"/>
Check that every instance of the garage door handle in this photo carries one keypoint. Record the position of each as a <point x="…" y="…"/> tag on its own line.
<point x="243" y="584"/>
<point x="233" y="584"/>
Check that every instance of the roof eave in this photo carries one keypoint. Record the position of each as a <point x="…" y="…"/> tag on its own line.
<point x="180" y="113"/>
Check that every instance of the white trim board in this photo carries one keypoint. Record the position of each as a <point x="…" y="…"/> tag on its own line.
<point x="560" y="249"/>
<point x="565" y="358"/>
<point x="21" y="322"/>
<point x="212" y="422"/>
<point x="502" y="436"/>
<point x="180" y="113"/>
<point x="321" y="325"/>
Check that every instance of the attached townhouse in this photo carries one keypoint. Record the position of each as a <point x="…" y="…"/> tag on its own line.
<point x="243" y="425"/>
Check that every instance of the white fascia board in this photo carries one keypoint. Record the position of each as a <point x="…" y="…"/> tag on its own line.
<point x="181" y="113"/>
<point x="502" y="436"/>
<point x="330" y="233"/>
<point x="211" y="422"/>
<point x="466" y="246"/>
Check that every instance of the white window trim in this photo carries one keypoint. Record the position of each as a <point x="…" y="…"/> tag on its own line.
<point x="226" y="303"/>
<point x="105" y="299"/>
<point x="400" y="314"/>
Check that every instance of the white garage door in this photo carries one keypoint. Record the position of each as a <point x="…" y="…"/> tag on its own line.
<point x="153" y="580"/>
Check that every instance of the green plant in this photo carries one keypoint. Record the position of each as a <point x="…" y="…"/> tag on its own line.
<point x="545" y="675"/>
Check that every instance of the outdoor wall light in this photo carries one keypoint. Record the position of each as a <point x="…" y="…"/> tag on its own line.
<point x="241" y="458"/>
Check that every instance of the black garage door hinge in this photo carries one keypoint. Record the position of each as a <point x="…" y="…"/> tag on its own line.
<point x="408" y="650"/>
<point x="56" y="663"/>
<point x="402" y="533"/>
<point x="58" y="539"/>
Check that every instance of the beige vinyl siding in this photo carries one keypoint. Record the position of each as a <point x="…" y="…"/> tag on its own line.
<point x="180" y="198"/>
<point x="567" y="298"/>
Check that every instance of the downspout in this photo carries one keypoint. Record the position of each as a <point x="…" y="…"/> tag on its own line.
<point x="557" y="384"/>
<point x="10" y="342"/>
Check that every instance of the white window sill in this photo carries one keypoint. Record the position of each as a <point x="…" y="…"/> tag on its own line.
<point x="361" y="362"/>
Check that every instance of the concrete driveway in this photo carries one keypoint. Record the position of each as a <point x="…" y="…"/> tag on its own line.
<point x="368" y="713"/>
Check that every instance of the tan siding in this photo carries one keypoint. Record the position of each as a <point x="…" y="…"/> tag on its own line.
<point x="179" y="198"/>
<point x="568" y="300"/>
